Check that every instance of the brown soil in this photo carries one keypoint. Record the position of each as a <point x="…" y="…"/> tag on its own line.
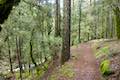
<point x="85" y="65"/>
<point x="83" y="62"/>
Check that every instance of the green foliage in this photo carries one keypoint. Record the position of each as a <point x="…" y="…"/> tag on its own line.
<point x="28" y="15"/>
<point x="65" y="71"/>
<point x="103" y="52"/>
<point x="28" y="76"/>
<point x="105" y="64"/>
<point x="2" y="1"/>
<point x="20" y="23"/>
<point x="105" y="67"/>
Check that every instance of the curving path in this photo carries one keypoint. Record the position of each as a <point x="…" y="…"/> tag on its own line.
<point x="85" y="65"/>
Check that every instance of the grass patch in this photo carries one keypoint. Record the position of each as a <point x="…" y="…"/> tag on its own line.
<point x="65" y="71"/>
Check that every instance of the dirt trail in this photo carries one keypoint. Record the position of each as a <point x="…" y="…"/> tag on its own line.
<point x="85" y="65"/>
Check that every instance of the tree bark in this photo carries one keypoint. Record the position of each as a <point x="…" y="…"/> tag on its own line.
<point x="65" y="56"/>
<point x="57" y="19"/>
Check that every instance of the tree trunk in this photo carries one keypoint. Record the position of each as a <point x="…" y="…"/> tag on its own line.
<point x="111" y="24"/>
<point x="107" y="25"/>
<point x="102" y="20"/>
<point x="31" y="50"/>
<point x="66" y="32"/>
<point x="10" y="59"/>
<point x="95" y="25"/>
<point x="57" y="19"/>
<point x="19" y="57"/>
<point x="80" y="4"/>
<point x="117" y="14"/>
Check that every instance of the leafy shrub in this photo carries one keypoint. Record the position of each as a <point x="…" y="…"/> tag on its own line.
<point x="105" y="67"/>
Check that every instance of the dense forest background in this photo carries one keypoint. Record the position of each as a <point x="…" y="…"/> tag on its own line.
<point x="36" y="34"/>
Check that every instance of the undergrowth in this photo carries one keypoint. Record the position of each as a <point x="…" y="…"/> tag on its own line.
<point x="103" y="54"/>
<point x="65" y="71"/>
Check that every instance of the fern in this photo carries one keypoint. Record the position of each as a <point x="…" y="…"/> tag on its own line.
<point x="103" y="51"/>
<point x="105" y="67"/>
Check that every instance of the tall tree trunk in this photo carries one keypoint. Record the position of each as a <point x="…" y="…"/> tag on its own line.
<point x="57" y="30"/>
<point x="19" y="56"/>
<point x="114" y="26"/>
<point x="95" y="26"/>
<point x="10" y="59"/>
<point x="98" y="23"/>
<point x="57" y="19"/>
<point x="79" y="28"/>
<point x="65" y="56"/>
<point x="102" y="20"/>
<point x="111" y="24"/>
<point x="31" y="50"/>
<point x="91" y="26"/>
<point x="117" y="14"/>
<point x="20" y="50"/>
<point x="107" y="25"/>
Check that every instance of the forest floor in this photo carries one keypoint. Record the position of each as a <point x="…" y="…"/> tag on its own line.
<point x="86" y="59"/>
<point x="85" y="66"/>
<point x="85" y="63"/>
<point x="81" y="66"/>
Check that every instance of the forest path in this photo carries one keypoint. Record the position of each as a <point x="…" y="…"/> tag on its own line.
<point x="85" y="64"/>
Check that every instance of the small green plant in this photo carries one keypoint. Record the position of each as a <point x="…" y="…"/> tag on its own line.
<point x="105" y="67"/>
<point x="102" y="51"/>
